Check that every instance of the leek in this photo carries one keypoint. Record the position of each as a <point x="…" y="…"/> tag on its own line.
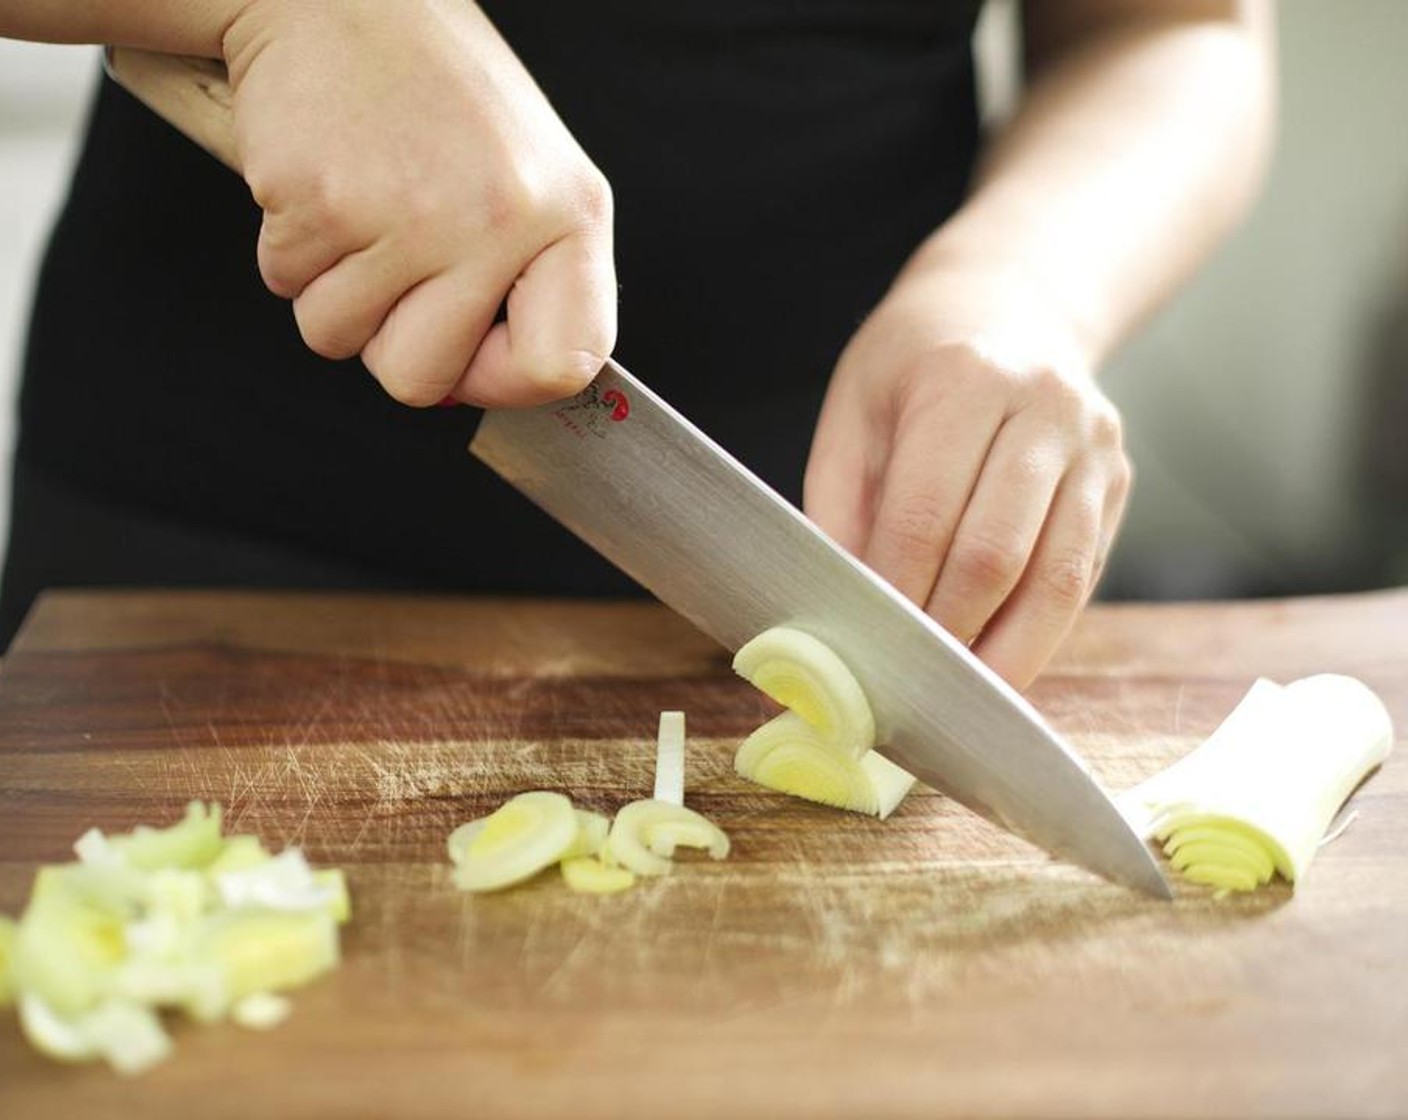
<point x="589" y="875"/>
<point x="787" y="755"/>
<point x="805" y="675"/>
<point x="1257" y="796"/>
<point x="519" y="839"/>
<point x="646" y="833"/>
<point x="173" y="917"/>
<point x="822" y="749"/>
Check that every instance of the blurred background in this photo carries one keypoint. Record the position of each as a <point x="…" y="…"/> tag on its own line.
<point x="1266" y="406"/>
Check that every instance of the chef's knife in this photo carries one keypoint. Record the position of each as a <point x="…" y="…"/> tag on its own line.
<point x="636" y="480"/>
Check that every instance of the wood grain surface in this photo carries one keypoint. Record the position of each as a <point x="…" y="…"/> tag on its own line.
<point x="833" y="966"/>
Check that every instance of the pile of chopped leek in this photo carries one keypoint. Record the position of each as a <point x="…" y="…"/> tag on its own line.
<point x="176" y="918"/>
<point x="1257" y="796"/>
<point x="533" y="831"/>
<point x="823" y="747"/>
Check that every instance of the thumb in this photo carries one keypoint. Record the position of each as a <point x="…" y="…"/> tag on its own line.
<point x="561" y="328"/>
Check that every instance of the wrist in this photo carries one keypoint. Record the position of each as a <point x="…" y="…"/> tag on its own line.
<point x="998" y="305"/>
<point x="996" y="248"/>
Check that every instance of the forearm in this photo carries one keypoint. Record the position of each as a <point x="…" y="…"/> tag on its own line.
<point x="193" y="27"/>
<point x="1135" y="149"/>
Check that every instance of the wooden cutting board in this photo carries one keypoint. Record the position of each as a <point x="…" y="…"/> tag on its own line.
<point x="929" y="966"/>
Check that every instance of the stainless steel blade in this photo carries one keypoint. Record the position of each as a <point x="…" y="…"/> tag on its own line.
<point x="641" y="484"/>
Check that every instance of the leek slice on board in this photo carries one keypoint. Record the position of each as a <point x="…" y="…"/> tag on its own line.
<point x="646" y="833"/>
<point x="163" y="918"/>
<point x="261" y="1011"/>
<point x="239" y="854"/>
<point x="128" y="1035"/>
<point x="595" y="855"/>
<point x="589" y="875"/>
<point x="520" y="838"/>
<point x="669" y="759"/>
<point x="191" y="843"/>
<point x="266" y="950"/>
<point x="805" y="675"/>
<point x="787" y="755"/>
<point x="1258" y="794"/>
<point x="591" y="835"/>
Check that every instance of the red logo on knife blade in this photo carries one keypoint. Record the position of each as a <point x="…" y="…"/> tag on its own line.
<point x="620" y="406"/>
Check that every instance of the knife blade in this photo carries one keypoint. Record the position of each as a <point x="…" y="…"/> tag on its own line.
<point x="632" y="477"/>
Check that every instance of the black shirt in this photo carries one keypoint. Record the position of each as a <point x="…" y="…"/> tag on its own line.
<point x="773" y="162"/>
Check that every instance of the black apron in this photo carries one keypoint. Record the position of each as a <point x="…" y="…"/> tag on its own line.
<point x="773" y="161"/>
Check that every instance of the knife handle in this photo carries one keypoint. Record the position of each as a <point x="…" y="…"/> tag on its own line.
<point x="192" y="94"/>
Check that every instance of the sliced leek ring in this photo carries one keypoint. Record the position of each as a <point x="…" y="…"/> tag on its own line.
<point x="591" y="835"/>
<point x="515" y="842"/>
<point x="1258" y="794"/>
<point x="589" y="875"/>
<point x="644" y="829"/>
<point x="804" y="675"/>
<point x="787" y="755"/>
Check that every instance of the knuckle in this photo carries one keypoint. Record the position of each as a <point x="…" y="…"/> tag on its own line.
<point x="326" y="199"/>
<point x="1061" y="393"/>
<point x="991" y="560"/>
<point x="934" y="371"/>
<point x="513" y="197"/>
<point x="418" y="388"/>
<point x="564" y="374"/>
<point x="914" y="525"/>
<point x="594" y="202"/>
<point x="276" y="272"/>
<point x="1065" y="580"/>
<point x="325" y="336"/>
<point x="410" y="388"/>
<point x="1106" y="425"/>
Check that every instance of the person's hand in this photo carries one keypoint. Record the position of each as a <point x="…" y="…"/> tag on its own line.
<point x="413" y="178"/>
<point x="965" y="453"/>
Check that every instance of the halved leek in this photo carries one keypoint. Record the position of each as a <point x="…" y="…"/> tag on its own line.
<point x="516" y="841"/>
<point x="787" y="755"/>
<point x="822" y="749"/>
<point x="804" y="675"/>
<point x="1256" y="797"/>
